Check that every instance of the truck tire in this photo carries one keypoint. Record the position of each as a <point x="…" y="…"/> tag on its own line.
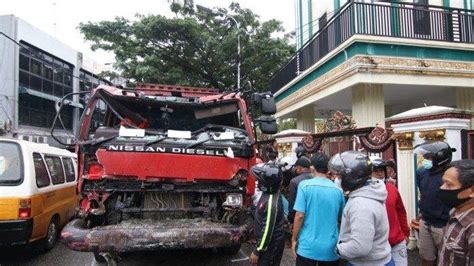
<point x="105" y="258"/>
<point x="232" y="250"/>
<point x="99" y="258"/>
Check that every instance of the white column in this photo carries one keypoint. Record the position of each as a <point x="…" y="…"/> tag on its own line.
<point x="407" y="186"/>
<point x="465" y="100"/>
<point x="406" y="181"/>
<point x="305" y="119"/>
<point x="368" y="105"/>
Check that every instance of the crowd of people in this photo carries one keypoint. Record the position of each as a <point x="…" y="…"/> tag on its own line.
<point x="346" y="209"/>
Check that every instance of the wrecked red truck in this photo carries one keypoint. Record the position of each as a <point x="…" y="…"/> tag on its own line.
<point x="165" y="167"/>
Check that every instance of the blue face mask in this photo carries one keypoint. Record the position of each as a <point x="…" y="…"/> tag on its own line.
<point x="427" y="164"/>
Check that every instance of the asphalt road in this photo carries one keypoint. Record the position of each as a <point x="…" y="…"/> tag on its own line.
<point x="61" y="255"/>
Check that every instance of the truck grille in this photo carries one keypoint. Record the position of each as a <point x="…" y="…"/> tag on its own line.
<point x="168" y="200"/>
<point x="162" y="206"/>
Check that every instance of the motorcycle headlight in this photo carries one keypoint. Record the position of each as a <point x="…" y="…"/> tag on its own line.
<point x="233" y="200"/>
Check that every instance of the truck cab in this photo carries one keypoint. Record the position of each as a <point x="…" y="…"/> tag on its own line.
<point x="163" y="167"/>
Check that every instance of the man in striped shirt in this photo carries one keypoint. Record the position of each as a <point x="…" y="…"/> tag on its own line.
<point x="457" y="192"/>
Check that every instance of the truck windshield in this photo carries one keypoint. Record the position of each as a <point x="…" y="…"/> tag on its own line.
<point x="10" y="164"/>
<point x="162" y="116"/>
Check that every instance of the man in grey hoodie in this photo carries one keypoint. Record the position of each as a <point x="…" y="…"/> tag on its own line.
<point x="363" y="238"/>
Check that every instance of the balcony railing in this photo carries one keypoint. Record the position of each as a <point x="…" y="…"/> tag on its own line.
<point x="400" y="20"/>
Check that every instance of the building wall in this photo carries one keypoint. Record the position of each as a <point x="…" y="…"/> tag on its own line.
<point x="10" y="69"/>
<point x="7" y="74"/>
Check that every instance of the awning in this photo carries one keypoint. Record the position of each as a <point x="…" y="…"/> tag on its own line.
<point x="48" y="97"/>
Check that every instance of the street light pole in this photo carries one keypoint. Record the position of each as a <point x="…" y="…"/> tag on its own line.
<point x="237" y="24"/>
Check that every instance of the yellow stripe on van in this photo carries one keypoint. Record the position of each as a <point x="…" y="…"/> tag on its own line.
<point x="9" y="208"/>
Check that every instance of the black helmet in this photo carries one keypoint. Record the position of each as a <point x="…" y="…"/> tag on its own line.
<point x="269" y="177"/>
<point x="354" y="168"/>
<point x="300" y="151"/>
<point x="379" y="163"/>
<point x="439" y="152"/>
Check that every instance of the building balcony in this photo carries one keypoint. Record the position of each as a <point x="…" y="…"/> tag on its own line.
<point x="384" y="22"/>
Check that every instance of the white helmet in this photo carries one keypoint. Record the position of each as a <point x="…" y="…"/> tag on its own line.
<point x="287" y="162"/>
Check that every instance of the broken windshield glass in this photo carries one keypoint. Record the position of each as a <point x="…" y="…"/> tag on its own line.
<point x="157" y="117"/>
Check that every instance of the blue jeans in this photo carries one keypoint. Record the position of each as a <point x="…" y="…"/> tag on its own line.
<point x="390" y="263"/>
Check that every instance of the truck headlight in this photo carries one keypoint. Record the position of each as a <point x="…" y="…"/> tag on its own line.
<point x="233" y="200"/>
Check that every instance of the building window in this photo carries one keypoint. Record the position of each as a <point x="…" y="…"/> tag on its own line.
<point x="49" y="75"/>
<point x="87" y="82"/>
<point x="39" y="112"/>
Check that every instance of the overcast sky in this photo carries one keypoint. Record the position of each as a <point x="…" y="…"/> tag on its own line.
<point x="60" y="18"/>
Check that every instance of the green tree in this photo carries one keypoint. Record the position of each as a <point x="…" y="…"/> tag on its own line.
<point x="284" y="124"/>
<point x="195" y="48"/>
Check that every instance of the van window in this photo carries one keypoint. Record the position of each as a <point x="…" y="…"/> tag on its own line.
<point x="11" y="164"/>
<point x="55" y="168"/>
<point x="69" y="169"/>
<point x="42" y="177"/>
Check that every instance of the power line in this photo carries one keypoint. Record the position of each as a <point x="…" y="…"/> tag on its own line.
<point x="329" y="14"/>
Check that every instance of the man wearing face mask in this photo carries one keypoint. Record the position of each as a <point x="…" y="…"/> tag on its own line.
<point x="434" y="213"/>
<point x="457" y="192"/>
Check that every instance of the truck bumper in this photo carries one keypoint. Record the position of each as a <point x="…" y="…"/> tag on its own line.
<point x="142" y="235"/>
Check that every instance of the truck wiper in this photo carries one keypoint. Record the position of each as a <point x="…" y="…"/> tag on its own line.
<point x="155" y="141"/>
<point x="97" y="141"/>
<point x="205" y="128"/>
<point x="199" y="142"/>
<point x="212" y="126"/>
<point x="206" y="140"/>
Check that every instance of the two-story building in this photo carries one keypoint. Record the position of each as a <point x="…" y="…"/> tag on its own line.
<point x="375" y="59"/>
<point x="36" y="70"/>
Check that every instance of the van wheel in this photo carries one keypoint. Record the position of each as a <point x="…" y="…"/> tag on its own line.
<point x="51" y="236"/>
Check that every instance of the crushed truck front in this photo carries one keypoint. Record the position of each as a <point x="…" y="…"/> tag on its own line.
<point x="163" y="168"/>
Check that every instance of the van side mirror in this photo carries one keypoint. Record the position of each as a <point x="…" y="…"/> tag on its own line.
<point x="267" y="124"/>
<point x="265" y="101"/>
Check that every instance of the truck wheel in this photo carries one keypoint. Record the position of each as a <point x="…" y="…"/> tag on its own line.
<point x="106" y="258"/>
<point x="51" y="236"/>
<point x="232" y="250"/>
<point x="99" y="258"/>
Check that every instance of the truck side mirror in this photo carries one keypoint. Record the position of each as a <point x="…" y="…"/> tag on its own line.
<point x="268" y="125"/>
<point x="265" y="101"/>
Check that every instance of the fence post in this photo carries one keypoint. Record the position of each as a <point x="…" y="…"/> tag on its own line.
<point x="297" y="63"/>
<point x="395" y="20"/>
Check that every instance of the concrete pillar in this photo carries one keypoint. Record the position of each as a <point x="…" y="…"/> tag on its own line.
<point x="305" y="119"/>
<point x="465" y="100"/>
<point x="406" y="185"/>
<point x="405" y="176"/>
<point x="76" y="88"/>
<point x="368" y="105"/>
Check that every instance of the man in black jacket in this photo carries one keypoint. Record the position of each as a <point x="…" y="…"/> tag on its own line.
<point x="269" y="217"/>
<point x="302" y="168"/>
<point x="434" y="213"/>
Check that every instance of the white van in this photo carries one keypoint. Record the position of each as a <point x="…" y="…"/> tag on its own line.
<point x="37" y="192"/>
